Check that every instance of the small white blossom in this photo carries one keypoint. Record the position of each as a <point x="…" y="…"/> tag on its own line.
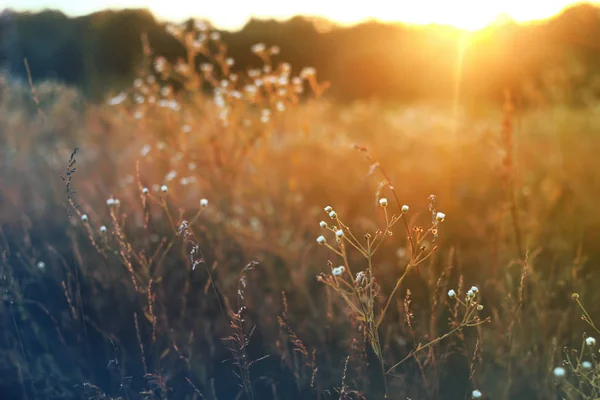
<point x="110" y="202"/>
<point x="332" y="215"/>
<point x="440" y="216"/>
<point x="474" y="289"/>
<point x="84" y="218"/>
<point x="103" y="229"/>
<point x="321" y="239"/>
<point x="470" y="294"/>
<point x="559" y="372"/>
<point x="164" y="188"/>
<point x="171" y="175"/>
<point x="145" y="150"/>
<point x="405" y="208"/>
<point x="586" y="365"/>
<point x="328" y="209"/>
<point x="590" y="341"/>
<point x="451" y="293"/>
<point x="145" y="190"/>
<point x="338" y="271"/>
<point x="204" y="203"/>
<point x="41" y="265"/>
<point x="479" y="307"/>
<point x="339" y="233"/>
<point x="383" y="202"/>
<point x="476" y="394"/>
<point x="323" y="224"/>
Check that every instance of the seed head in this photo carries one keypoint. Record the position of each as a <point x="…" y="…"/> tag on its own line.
<point x="559" y="372"/>
<point x="479" y="307"/>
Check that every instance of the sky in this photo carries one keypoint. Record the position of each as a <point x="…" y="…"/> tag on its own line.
<point x="232" y="15"/>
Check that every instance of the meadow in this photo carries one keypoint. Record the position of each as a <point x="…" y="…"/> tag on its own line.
<point x="214" y="233"/>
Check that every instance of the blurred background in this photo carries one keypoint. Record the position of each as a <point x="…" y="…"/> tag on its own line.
<point x="164" y="169"/>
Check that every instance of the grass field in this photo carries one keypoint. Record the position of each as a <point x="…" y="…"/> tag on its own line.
<point x="264" y="242"/>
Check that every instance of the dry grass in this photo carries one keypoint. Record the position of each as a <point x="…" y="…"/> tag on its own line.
<point x="139" y="294"/>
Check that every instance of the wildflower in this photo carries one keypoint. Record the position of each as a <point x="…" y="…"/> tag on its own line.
<point x="474" y="289"/>
<point x="328" y="209"/>
<point x="145" y="150"/>
<point x="332" y="215"/>
<point x="163" y="188"/>
<point x="590" y="341"/>
<point x="145" y="190"/>
<point x="258" y="48"/>
<point x="470" y="294"/>
<point x="321" y="239"/>
<point x="440" y="216"/>
<point x="84" y="218"/>
<point x="338" y="271"/>
<point x="323" y="224"/>
<point x="559" y="372"/>
<point x="479" y="307"/>
<point x="110" y="202"/>
<point x="339" y="233"/>
<point x="103" y="229"/>
<point x="476" y="394"/>
<point x="171" y="175"/>
<point x="586" y="365"/>
<point x="204" y="203"/>
<point x="451" y="293"/>
<point x="383" y="202"/>
<point x="41" y="265"/>
<point x="405" y="208"/>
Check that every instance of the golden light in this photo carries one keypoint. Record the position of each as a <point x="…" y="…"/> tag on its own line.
<point x="465" y="14"/>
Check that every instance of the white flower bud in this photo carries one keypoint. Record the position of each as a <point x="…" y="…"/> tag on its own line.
<point x="103" y="229"/>
<point x="332" y="215"/>
<point x="559" y="372"/>
<point x="323" y="224"/>
<point x="84" y="218"/>
<point x="586" y="365"/>
<point x="321" y="239"/>
<point x="405" y="208"/>
<point x="476" y="394"/>
<point x="204" y="203"/>
<point x="339" y="233"/>
<point x="328" y="209"/>
<point x="163" y="188"/>
<point x="451" y="293"/>
<point x="440" y="216"/>
<point x="590" y="341"/>
<point x="145" y="190"/>
<point x="383" y="202"/>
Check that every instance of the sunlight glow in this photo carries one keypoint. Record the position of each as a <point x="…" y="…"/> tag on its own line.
<point x="465" y="14"/>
